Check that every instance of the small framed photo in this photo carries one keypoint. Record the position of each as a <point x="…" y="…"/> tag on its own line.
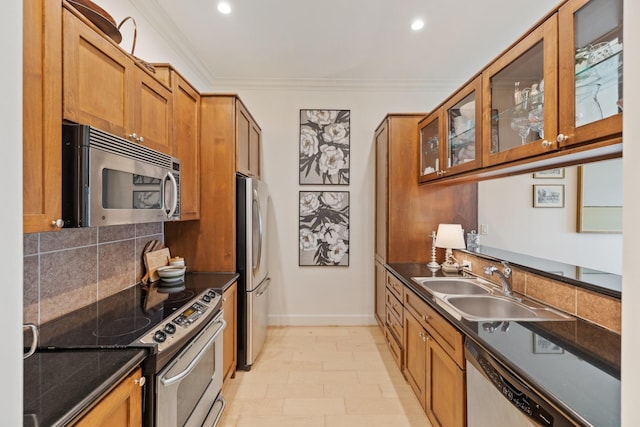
<point x="542" y="345"/>
<point x="550" y="173"/>
<point x="548" y="196"/>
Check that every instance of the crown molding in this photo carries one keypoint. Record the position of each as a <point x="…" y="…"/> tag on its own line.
<point x="173" y="36"/>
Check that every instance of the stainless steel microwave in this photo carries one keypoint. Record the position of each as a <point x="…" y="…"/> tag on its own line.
<point x="108" y="180"/>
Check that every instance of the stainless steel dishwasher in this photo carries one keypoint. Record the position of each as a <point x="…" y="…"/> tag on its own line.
<point x="496" y="397"/>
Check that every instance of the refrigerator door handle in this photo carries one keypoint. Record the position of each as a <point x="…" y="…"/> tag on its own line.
<point x="263" y="288"/>
<point x="258" y="258"/>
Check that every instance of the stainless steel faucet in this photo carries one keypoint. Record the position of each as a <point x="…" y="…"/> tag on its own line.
<point x="504" y="275"/>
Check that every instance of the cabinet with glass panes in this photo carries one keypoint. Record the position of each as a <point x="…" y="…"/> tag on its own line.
<point x="520" y="98"/>
<point x="451" y="137"/>
<point x="430" y="155"/>
<point x="591" y="78"/>
<point x="560" y="86"/>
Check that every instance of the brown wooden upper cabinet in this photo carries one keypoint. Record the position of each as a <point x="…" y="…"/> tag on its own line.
<point x="559" y="86"/>
<point x="451" y="137"/>
<point x="105" y="88"/>
<point x="185" y="110"/>
<point x="42" y="116"/>
<point x="590" y="56"/>
<point x="247" y="142"/>
<point x="520" y="103"/>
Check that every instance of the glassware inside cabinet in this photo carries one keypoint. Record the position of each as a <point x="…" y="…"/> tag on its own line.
<point x="517" y="101"/>
<point x="598" y="61"/>
<point x="429" y="148"/>
<point x="461" y="128"/>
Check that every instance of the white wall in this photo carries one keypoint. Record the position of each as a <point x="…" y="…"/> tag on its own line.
<point x="322" y="295"/>
<point x="11" y="213"/>
<point x="506" y="206"/>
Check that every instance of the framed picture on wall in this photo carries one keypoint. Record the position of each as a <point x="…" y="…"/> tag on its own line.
<point x="324" y="147"/>
<point x="323" y="226"/>
<point x="550" y="173"/>
<point x="548" y="196"/>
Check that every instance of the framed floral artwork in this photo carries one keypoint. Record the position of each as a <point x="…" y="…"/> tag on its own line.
<point x="324" y="228"/>
<point x="324" y="147"/>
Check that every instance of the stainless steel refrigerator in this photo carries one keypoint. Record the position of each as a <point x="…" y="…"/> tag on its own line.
<point x="254" y="281"/>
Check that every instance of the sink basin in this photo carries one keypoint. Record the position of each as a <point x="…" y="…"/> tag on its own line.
<point x="452" y="286"/>
<point x="494" y="308"/>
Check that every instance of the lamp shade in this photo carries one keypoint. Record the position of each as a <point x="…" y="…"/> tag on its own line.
<point x="450" y="236"/>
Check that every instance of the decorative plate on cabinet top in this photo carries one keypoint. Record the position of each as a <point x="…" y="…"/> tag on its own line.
<point x="99" y="17"/>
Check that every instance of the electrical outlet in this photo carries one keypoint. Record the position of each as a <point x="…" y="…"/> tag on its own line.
<point x="466" y="265"/>
<point x="484" y="229"/>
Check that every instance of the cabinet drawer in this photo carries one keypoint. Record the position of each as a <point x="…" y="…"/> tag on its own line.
<point x="449" y="338"/>
<point x="396" y="350"/>
<point x="394" y="305"/>
<point x="394" y="325"/>
<point x="395" y="286"/>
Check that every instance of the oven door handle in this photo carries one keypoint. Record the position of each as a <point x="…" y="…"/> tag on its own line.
<point x="196" y="360"/>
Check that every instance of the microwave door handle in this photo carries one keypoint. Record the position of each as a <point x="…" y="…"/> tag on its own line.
<point x="174" y="194"/>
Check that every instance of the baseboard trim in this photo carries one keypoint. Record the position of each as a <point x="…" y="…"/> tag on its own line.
<point x="321" y="320"/>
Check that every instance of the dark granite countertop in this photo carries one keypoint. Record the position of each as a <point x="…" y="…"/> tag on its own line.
<point x="574" y="364"/>
<point x="73" y="368"/>
<point x="60" y="385"/>
<point x="217" y="281"/>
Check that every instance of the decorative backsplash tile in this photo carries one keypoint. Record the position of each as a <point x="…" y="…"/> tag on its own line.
<point x="68" y="269"/>
<point x="596" y="308"/>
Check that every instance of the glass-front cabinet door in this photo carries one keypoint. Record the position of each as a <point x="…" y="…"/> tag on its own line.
<point x="590" y="55"/>
<point x="463" y="115"/>
<point x="430" y="156"/>
<point x="520" y="98"/>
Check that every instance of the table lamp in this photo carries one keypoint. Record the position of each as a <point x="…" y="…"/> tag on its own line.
<point x="450" y="236"/>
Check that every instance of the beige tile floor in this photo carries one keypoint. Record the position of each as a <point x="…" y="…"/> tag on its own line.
<point x="322" y="376"/>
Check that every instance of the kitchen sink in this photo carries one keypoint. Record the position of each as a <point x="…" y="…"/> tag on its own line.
<point x="452" y="286"/>
<point x="494" y="308"/>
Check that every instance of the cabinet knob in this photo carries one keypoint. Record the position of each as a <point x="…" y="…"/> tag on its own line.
<point x="133" y="136"/>
<point x="58" y="223"/>
<point x="561" y="137"/>
<point x="425" y="317"/>
<point x="546" y="144"/>
<point x="141" y="139"/>
<point x="141" y="381"/>
<point x="224" y="299"/>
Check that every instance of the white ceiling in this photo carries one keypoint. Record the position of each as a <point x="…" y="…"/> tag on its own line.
<point x="342" y="40"/>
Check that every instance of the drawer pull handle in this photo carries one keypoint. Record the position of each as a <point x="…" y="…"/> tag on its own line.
<point x="425" y="317"/>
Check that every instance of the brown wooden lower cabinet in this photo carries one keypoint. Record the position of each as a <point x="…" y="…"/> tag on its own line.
<point x="436" y="379"/>
<point x="380" y="290"/>
<point x="445" y="387"/>
<point x="229" y="307"/>
<point x="122" y="406"/>
<point x="415" y="356"/>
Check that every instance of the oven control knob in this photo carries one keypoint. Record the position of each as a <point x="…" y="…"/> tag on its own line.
<point x="169" y="328"/>
<point x="206" y="298"/>
<point x="159" y="336"/>
<point x="212" y="293"/>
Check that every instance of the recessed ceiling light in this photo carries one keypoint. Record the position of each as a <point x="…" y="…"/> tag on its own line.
<point x="417" y="24"/>
<point x="224" y="7"/>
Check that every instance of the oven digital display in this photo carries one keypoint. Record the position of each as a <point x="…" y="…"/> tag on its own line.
<point x="188" y="312"/>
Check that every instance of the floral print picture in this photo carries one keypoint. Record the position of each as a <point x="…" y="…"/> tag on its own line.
<point x="324" y="146"/>
<point x="324" y="228"/>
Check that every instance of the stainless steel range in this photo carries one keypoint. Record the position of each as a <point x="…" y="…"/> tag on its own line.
<point x="181" y="327"/>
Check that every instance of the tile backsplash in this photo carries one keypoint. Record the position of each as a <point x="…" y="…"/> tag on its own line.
<point x="599" y="309"/>
<point x="74" y="267"/>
